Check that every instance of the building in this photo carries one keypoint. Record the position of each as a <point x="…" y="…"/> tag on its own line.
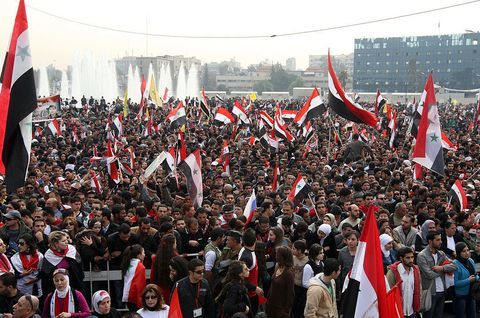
<point x="401" y="64"/>
<point x="291" y="64"/>
<point x="245" y="82"/>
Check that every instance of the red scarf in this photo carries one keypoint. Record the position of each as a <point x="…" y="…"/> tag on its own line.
<point x="60" y="254"/>
<point x="5" y="264"/>
<point x="61" y="304"/>
<point x="29" y="264"/>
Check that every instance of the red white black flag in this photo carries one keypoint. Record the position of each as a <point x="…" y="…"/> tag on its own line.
<point x="17" y="103"/>
<point x="458" y="195"/>
<point x="313" y="108"/>
<point x="341" y="104"/>
<point x="192" y="169"/>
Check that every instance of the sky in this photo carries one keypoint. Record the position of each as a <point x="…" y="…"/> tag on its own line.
<point x="55" y="41"/>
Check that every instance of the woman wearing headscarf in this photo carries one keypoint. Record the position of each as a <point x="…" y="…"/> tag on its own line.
<point x="102" y="306"/>
<point x="464" y="277"/>
<point x="5" y="265"/>
<point x="64" y="301"/>
<point x="27" y="263"/>
<point x="421" y="240"/>
<point x="326" y="238"/>
<point x="61" y="255"/>
<point x="389" y="255"/>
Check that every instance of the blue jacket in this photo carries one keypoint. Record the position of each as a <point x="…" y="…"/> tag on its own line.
<point x="462" y="284"/>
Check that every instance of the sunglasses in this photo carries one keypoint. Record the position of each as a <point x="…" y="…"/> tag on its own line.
<point x="69" y="224"/>
<point x="28" y="297"/>
<point x="199" y="272"/>
<point x="93" y="208"/>
<point x="21" y="243"/>
<point x="151" y="297"/>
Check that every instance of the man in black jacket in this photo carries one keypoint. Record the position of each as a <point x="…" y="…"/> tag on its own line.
<point x="194" y="292"/>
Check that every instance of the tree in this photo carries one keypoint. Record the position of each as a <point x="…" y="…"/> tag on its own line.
<point x="298" y="82"/>
<point x="342" y="78"/>
<point x="263" y="86"/>
<point x="280" y="79"/>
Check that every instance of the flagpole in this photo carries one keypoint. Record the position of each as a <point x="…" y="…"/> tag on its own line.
<point x="338" y="132"/>
<point x="473" y="174"/>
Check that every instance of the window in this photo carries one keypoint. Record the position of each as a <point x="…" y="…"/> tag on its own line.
<point x="459" y="61"/>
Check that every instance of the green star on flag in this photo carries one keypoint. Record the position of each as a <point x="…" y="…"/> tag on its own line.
<point x="434" y="137"/>
<point x="23" y="52"/>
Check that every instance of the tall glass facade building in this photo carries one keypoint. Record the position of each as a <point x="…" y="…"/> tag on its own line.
<point x="401" y="64"/>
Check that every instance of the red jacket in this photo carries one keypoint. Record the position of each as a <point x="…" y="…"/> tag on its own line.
<point x="416" y="284"/>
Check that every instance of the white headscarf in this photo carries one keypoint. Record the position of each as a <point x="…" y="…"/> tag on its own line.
<point x="326" y="229"/>
<point x="98" y="297"/>
<point x="384" y="240"/>
<point x="63" y="293"/>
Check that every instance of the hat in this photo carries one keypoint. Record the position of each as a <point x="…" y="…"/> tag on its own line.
<point x="325" y="228"/>
<point x="62" y="271"/>
<point x="234" y="234"/>
<point x="225" y="175"/>
<point x="227" y="208"/>
<point x="14" y="214"/>
<point x="468" y="159"/>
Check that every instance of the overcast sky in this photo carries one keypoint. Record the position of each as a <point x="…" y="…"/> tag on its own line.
<point x="55" y="41"/>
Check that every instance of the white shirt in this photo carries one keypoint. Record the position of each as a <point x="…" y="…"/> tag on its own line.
<point x="438" y="281"/>
<point x="408" y="286"/>
<point x="450" y="243"/>
<point x="210" y="259"/>
<point x="154" y="314"/>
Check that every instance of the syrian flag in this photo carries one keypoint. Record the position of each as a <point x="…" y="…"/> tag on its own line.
<point x="289" y="115"/>
<point x="280" y="127"/>
<point x="313" y="108"/>
<point x="143" y="86"/>
<point x="240" y="112"/>
<point x="379" y="102"/>
<point x="135" y="282"/>
<point x="112" y="164"/>
<point x="223" y="117"/>
<point x="204" y="103"/>
<point x="299" y="191"/>
<point x="267" y="119"/>
<point x="342" y="104"/>
<point x="219" y="97"/>
<point x="366" y="291"/>
<point x="265" y="141"/>
<point x="169" y="163"/>
<point x="117" y="126"/>
<point x="54" y="128"/>
<point x="458" y="195"/>
<point x="447" y="144"/>
<point x="272" y="142"/>
<point x="175" y="310"/>
<point x="252" y="140"/>
<point x="250" y="207"/>
<point x="226" y="157"/>
<point x="177" y="116"/>
<point x="415" y="120"/>
<point x="393" y="129"/>
<point x="261" y="128"/>
<point x="307" y="130"/>
<point x="74" y="135"/>
<point x="192" y="169"/>
<point x="428" y="150"/>
<point x="182" y="153"/>
<point x="276" y="178"/>
<point x="95" y="182"/>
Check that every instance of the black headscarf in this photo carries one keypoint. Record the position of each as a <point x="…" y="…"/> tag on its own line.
<point x="459" y="247"/>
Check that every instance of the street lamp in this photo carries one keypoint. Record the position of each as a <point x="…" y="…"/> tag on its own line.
<point x="470" y="31"/>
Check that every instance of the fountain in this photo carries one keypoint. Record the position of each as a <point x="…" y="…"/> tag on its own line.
<point x="44" y="86"/>
<point x="64" y="86"/>
<point x="193" y="89"/>
<point x="161" y="81"/>
<point x="130" y="84"/>
<point x="93" y="76"/>
<point x="136" y="86"/>
<point x="168" y="81"/>
<point x="181" y="90"/>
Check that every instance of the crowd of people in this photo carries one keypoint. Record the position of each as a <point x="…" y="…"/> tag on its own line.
<point x="290" y="259"/>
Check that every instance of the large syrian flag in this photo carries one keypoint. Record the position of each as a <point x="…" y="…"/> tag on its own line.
<point x="342" y="104"/>
<point x="313" y="108"/>
<point x="135" y="282"/>
<point x="366" y="292"/>
<point x="428" y="150"/>
<point x="192" y="169"/>
<point x="288" y="115"/>
<point x="240" y="112"/>
<point x="300" y="190"/>
<point x="177" y="116"/>
<point x="17" y="103"/>
<point x="223" y="117"/>
<point x="117" y="126"/>
<point x="458" y="195"/>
